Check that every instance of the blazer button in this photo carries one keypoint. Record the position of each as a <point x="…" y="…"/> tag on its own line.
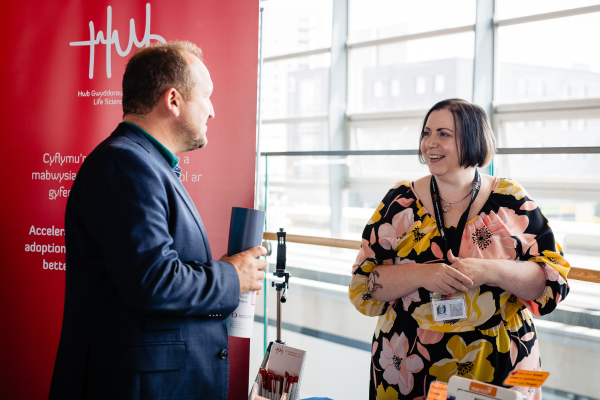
<point x="223" y="354"/>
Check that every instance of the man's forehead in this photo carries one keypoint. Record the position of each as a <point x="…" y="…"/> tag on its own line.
<point x="201" y="69"/>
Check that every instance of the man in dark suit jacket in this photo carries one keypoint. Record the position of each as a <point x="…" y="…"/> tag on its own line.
<point x="145" y="302"/>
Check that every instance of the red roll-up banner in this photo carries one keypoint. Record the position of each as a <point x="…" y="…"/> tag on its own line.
<point x="60" y="79"/>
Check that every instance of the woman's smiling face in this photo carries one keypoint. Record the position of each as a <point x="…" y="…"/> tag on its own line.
<point x="439" y="144"/>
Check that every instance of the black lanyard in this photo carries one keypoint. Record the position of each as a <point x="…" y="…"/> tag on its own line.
<point x="439" y="217"/>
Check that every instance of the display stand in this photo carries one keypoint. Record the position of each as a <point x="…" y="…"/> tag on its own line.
<point x="281" y="272"/>
<point x="292" y="359"/>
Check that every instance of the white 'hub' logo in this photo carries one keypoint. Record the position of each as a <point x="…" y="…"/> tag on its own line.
<point x="112" y="37"/>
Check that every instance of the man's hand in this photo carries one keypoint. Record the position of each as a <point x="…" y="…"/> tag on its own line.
<point x="444" y="279"/>
<point x="249" y="268"/>
<point x="474" y="269"/>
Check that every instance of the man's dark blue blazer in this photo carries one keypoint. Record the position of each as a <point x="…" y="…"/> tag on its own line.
<point x="144" y="302"/>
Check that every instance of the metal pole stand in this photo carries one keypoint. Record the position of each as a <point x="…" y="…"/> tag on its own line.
<point x="281" y="287"/>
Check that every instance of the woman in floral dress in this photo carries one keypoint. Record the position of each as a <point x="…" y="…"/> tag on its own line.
<point x="509" y="266"/>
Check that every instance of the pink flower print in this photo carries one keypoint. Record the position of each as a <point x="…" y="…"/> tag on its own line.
<point x="398" y="368"/>
<point x="403" y="221"/>
<point x="400" y="260"/>
<point x="429" y="337"/>
<point x="516" y="225"/>
<point x="387" y="235"/>
<point x="530" y="363"/>
<point x="551" y="273"/>
<point x="409" y="298"/>
<point x="490" y="236"/>
<point x="528" y="205"/>
<point x="364" y="253"/>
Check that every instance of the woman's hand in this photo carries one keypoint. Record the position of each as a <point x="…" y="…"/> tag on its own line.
<point x="444" y="279"/>
<point x="475" y="269"/>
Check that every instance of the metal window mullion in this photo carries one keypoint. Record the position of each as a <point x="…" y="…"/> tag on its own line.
<point x="338" y="100"/>
<point x="413" y="36"/>
<point x="413" y="152"/>
<point x="483" y="60"/>
<point x="553" y="105"/>
<point x="548" y="115"/>
<point x="547" y="16"/>
<point x="296" y="120"/>
<point x="387" y="115"/>
<point x="299" y="54"/>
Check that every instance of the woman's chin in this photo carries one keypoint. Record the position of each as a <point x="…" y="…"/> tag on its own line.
<point x="436" y="170"/>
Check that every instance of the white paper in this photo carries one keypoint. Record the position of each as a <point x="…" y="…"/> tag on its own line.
<point x="241" y="320"/>
<point x="285" y="358"/>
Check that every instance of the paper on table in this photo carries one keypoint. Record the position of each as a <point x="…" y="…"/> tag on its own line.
<point x="245" y="231"/>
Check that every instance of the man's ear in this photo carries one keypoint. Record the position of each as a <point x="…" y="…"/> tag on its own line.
<point x="173" y="101"/>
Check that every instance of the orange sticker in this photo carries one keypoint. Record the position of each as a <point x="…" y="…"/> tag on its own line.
<point x="483" y="389"/>
<point x="533" y="379"/>
<point x="437" y="391"/>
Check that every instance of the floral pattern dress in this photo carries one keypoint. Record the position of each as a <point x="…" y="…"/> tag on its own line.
<point x="410" y="349"/>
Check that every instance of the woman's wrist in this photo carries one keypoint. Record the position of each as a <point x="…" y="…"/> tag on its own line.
<point x="493" y="271"/>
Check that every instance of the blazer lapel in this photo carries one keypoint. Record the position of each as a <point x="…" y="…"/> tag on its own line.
<point x="138" y="137"/>
<point x="183" y="193"/>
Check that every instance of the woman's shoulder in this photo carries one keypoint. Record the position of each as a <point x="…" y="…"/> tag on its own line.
<point x="401" y="193"/>
<point x="401" y="188"/>
<point x="403" y="185"/>
<point x="510" y="187"/>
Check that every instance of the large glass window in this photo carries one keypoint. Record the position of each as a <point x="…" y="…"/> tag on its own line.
<point x="506" y="9"/>
<point x="401" y="57"/>
<point x="296" y="87"/>
<point x="295" y="26"/>
<point x="379" y="19"/>
<point x="549" y="60"/>
<point x="412" y="74"/>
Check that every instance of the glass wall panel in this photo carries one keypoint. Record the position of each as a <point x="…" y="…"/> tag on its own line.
<point x="381" y="135"/>
<point x="547" y="60"/>
<point x="558" y="167"/>
<point x="411" y="75"/>
<point x="296" y="87"/>
<point x="520" y="8"/>
<point x="294" y="26"/>
<point x="556" y="59"/>
<point x="378" y="19"/>
<point x="304" y="136"/>
<point x="550" y="133"/>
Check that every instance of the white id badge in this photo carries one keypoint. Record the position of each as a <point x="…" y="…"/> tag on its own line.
<point x="447" y="307"/>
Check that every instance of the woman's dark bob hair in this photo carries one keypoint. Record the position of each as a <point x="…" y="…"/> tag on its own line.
<point x="475" y="140"/>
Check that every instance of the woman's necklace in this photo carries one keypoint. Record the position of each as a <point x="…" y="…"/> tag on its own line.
<point x="448" y="204"/>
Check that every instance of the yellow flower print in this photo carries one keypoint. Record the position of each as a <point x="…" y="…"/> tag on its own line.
<point x="376" y="215"/>
<point x="547" y="295"/>
<point x="401" y="183"/>
<point x="556" y="261"/>
<point x="500" y="332"/>
<point x="480" y="308"/>
<point x="357" y="292"/>
<point x="467" y="361"/>
<point x="387" y="394"/>
<point x="385" y="322"/>
<point x="527" y="317"/>
<point x="509" y="305"/>
<point x="418" y="237"/>
<point x="507" y="186"/>
<point x="516" y="322"/>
